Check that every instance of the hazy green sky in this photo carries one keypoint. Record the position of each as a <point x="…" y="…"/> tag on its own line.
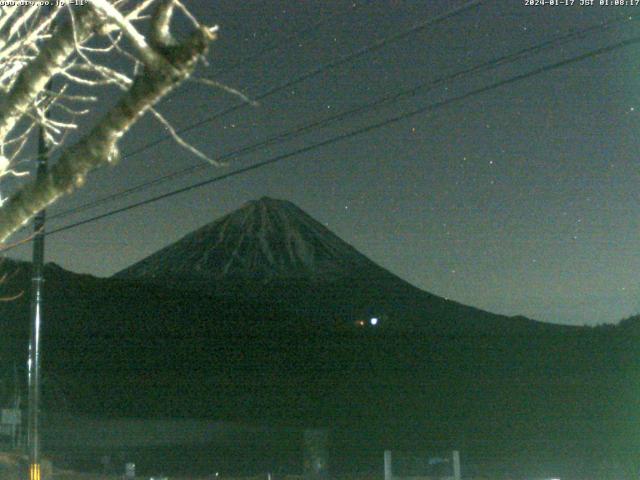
<point x="520" y="200"/>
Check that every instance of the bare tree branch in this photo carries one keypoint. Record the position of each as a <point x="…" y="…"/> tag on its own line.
<point x="164" y="69"/>
<point x="50" y="61"/>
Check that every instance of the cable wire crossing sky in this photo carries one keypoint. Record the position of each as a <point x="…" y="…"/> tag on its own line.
<point x="485" y="152"/>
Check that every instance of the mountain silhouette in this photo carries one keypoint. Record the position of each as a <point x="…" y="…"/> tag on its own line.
<point x="270" y="250"/>
<point x="262" y="240"/>
<point x="265" y="316"/>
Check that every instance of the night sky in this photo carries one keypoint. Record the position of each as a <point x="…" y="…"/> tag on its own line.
<point x="519" y="200"/>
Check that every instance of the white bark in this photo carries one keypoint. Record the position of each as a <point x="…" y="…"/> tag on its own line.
<point x="33" y="78"/>
<point x="162" y="70"/>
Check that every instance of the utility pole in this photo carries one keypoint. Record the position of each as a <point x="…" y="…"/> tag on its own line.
<point x="456" y="465"/>
<point x="37" y="284"/>
<point x="388" y="465"/>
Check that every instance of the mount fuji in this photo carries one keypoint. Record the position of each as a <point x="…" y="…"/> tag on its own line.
<point x="265" y="315"/>
<point x="264" y="240"/>
<point x="271" y="252"/>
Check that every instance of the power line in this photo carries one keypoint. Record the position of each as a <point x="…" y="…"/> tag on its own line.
<point x="323" y="122"/>
<point x="277" y="45"/>
<point x="316" y="71"/>
<point x="345" y="59"/>
<point x="304" y="128"/>
<point x="286" y="40"/>
<point x="354" y="133"/>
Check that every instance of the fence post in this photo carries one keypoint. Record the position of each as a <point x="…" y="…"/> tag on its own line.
<point x="456" y="465"/>
<point x="388" y="468"/>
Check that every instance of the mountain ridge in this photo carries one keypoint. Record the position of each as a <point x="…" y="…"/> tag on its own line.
<point x="263" y="240"/>
<point x="303" y="351"/>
